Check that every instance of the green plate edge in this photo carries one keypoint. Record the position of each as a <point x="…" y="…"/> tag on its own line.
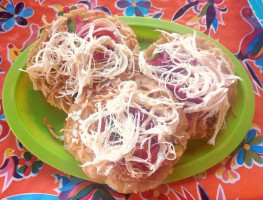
<point x="187" y="166"/>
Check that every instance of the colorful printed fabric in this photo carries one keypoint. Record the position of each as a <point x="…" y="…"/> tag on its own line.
<point x="232" y="23"/>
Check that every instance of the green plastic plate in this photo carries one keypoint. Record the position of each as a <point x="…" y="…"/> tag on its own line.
<point x="24" y="109"/>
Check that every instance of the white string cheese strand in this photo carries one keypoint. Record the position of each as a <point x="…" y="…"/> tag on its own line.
<point x="208" y="79"/>
<point x="161" y="111"/>
<point x="70" y="58"/>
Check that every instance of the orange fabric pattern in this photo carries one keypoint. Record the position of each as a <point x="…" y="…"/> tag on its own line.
<point x="232" y="23"/>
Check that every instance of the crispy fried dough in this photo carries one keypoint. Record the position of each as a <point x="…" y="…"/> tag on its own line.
<point x="51" y="91"/>
<point x="197" y="128"/>
<point x="119" y="178"/>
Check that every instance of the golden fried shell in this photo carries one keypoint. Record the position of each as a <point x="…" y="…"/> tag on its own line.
<point x="198" y="128"/>
<point x="49" y="79"/>
<point x="119" y="178"/>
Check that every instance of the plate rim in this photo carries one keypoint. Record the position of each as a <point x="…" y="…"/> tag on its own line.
<point x="10" y="111"/>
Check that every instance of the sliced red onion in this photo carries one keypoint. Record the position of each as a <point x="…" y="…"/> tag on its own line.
<point x="179" y="93"/>
<point x="195" y="100"/>
<point x="143" y="117"/>
<point x="193" y="62"/>
<point x="141" y="153"/>
<point x="80" y="24"/>
<point x="162" y="60"/>
<point x="105" y="33"/>
<point x="103" y="124"/>
<point x="100" y="57"/>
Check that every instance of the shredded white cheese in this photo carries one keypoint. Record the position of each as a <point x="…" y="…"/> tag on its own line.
<point x="197" y="74"/>
<point x="130" y="133"/>
<point x="68" y="59"/>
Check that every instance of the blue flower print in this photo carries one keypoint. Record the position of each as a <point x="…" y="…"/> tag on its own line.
<point x="14" y="15"/>
<point x="134" y="7"/>
<point x="1" y="72"/>
<point x="250" y="149"/>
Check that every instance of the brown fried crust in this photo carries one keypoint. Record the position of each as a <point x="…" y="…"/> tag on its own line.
<point x="118" y="182"/>
<point x="130" y="38"/>
<point x="197" y="128"/>
<point x="207" y="129"/>
<point x="51" y="93"/>
<point x="78" y="150"/>
<point x="118" y="178"/>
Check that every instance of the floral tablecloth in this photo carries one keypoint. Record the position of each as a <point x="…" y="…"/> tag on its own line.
<point x="232" y="23"/>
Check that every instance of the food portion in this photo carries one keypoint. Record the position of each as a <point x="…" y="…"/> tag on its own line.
<point x="129" y="133"/>
<point x="199" y="74"/>
<point x="129" y="117"/>
<point x="79" y="49"/>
